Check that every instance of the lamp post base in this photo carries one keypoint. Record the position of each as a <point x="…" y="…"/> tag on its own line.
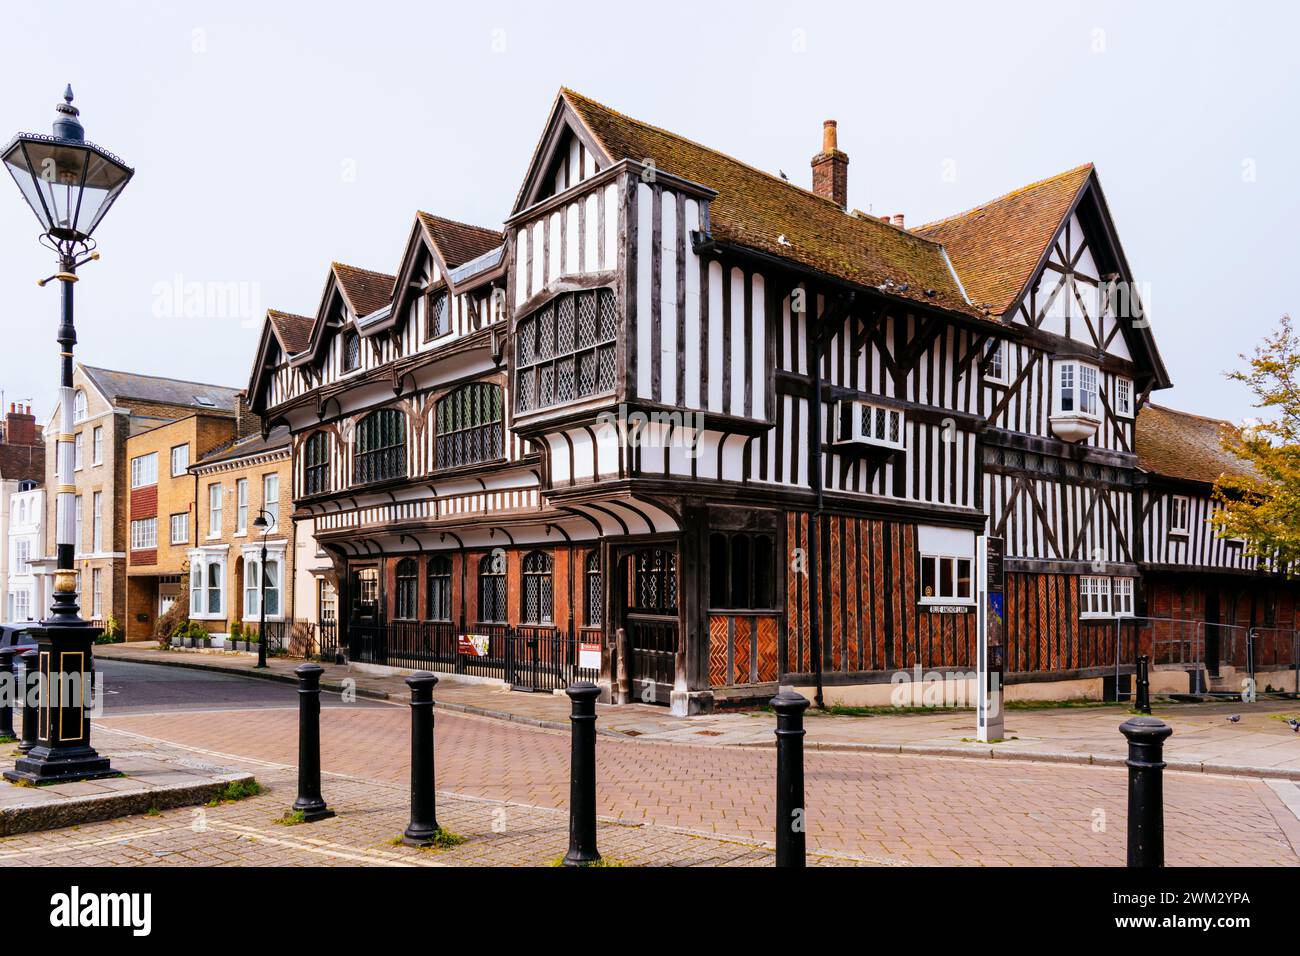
<point x="64" y="698"/>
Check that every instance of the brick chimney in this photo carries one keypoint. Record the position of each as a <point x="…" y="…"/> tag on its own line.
<point x="246" y="423"/>
<point x="20" y="425"/>
<point x="831" y="168"/>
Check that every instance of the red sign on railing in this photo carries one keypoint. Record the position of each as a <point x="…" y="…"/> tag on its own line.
<point x="475" y="645"/>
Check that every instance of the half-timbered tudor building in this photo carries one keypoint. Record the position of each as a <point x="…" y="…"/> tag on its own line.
<point x="725" y="429"/>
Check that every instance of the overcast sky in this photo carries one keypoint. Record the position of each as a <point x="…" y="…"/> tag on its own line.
<point x="271" y="138"/>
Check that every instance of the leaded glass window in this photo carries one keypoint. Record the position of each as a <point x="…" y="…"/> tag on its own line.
<point x="595" y="592"/>
<point x="492" y="588"/>
<point x="380" y="447"/>
<point x="565" y="350"/>
<point x="469" y="426"/>
<point x="538" y="596"/>
<point x="407" y="582"/>
<point x="316" y="465"/>
<point x="439" y="589"/>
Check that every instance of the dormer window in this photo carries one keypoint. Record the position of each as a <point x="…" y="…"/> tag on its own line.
<point x="437" y="317"/>
<point x="1074" y="400"/>
<point x="351" y="351"/>
<point x="862" y="423"/>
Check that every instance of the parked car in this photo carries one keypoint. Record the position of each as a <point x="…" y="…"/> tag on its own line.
<point x="16" y="635"/>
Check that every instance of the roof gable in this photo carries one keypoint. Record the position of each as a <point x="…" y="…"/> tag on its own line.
<point x="363" y="290"/>
<point x="765" y="213"/>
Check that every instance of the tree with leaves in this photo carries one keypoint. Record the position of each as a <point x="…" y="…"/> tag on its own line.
<point x="1262" y="504"/>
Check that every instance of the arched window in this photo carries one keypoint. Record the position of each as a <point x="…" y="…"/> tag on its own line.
<point x="538" y="596"/>
<point x="380" y="447"/>
<point x="469" y="425"/>
<point x="79" y="406"/>
<point x="492" y="588"/>
<point x="594" y="593"/>
<point x="351" y="351"/>
<point x="408" y="575"/>
<point x="316" y="464"/>
<point x="439" y="589"/>
<point x="565" y="350"/>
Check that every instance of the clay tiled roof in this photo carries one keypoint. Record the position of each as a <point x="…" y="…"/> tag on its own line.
<point x="756" y="210"/>
<point x="1185" y="446"/>
<point x="996" y="247"/>
<point x="365" y="291"/>
<point x="292" y="331"/>
<point x="457" y="242"/>
<point x="249" y="446"/>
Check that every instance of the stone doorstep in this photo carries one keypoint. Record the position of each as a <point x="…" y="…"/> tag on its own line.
<point x="68" y="811"/>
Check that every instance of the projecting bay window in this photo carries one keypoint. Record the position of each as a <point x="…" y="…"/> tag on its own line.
<point x="268" y="587"/>
<point x="1075" y="407"/>
<point x="469" y="426"/>
<point x="1101" y="596"/>
<point x="946" y="579"/>
<point x="564" y="351"/>
<point x="862" y="423"/>
<point x="208" y="583"/>
<point x="380" y="447"/>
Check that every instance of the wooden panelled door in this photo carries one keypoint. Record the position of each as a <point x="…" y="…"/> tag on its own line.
<point x="647" y="602"/>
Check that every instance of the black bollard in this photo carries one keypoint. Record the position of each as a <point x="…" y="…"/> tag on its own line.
<point x="309" y="801"/>
<point x="1143" y="705"/>
<point x="790" y="815"/>
<point x="582" y="776"/>
<point x="27" y="687"/>
<point x="8" y="694"/>
<point x="1146" y="795"/>
<point x="424" y="818"/>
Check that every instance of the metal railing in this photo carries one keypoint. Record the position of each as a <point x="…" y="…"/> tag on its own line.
<point x="1203" y="648"/>
<point x="528" y="657"/>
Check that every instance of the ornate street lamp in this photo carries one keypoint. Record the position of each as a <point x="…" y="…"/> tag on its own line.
<point x="70" y="184"/>
<point x="264" y="526"/>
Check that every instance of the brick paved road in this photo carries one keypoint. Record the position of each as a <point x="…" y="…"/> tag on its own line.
<point x="889" y="808"/>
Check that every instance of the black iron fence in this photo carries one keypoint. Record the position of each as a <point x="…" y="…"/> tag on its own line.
<point x="528" y="657"/>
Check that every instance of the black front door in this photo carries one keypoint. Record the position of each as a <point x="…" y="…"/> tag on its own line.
<point x="365" y="614"/>
<point x="1212" y="633"/>
<point x="649" y="589"/>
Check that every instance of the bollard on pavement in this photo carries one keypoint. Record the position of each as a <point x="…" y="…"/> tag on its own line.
<point x="8" y="696"/>
<point x="31" y="711"/>
<point x="424" y="819"/>
<point x="790" y="815"/>
<point x="309" y="802"/>
<point x="1143" y="703"/>
<point x="582" y="776"/>
<point x="1146" y="797"/>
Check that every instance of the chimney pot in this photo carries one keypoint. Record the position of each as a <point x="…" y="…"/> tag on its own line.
<point x="830" y="140"/>
<point x="898" y="220"/>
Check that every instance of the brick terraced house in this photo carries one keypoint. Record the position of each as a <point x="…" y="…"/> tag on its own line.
<point x="162" y="514"/>
<point x="694" y="430"/>
<point x="110" y="407"/>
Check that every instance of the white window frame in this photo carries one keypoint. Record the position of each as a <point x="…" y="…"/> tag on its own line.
<point x="241" y="506"/>
<point x="144" y="470"/>
<point x="97" y="445"/>
<point x="184" y="524"/>
<point x="22" y="556"/>
<point x="1123" y="397"/>
<point x="144" y="534"/>
<point x="79" y="451"/>
<point x="275" y="558"/>
<point x="79" y="406"/>
<point x="97" y="522"/>
<point x="78" y="526"/>
<point x="1180" y="512"/>
<point x="1101" y="596"/>
<point x="96" y="594"/>
<point x="955" y="561"/>
<point x="176" y="473"/>
<point x="202" y="563"/>
<point x="998" y="359"/>
<point x="271" y="499"/>
<point x="1069" y="377"/>
<point x="215" y="509"/>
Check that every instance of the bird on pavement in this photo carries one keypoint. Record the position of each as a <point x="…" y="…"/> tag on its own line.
<point x="1235" y="718"/>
